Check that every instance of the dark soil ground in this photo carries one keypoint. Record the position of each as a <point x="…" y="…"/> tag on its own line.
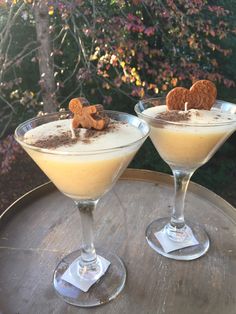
<point x="25" y="175"/>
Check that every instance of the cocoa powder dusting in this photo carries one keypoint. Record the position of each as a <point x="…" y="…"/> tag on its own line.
<point x="174" y="116"/>
<point x="64" y="139"/>
<point x="54" y="141"/>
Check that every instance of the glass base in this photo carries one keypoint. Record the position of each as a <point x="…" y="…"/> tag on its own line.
<point x="185" y="254"/>
<point x="103" y="291"/>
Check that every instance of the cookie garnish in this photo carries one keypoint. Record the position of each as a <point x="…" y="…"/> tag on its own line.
<point x="87" y="116"/>
<point x="201" y="95"/>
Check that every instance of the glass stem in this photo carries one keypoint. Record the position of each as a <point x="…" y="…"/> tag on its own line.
<point x="88" y="258"/>
<point x="181" y="179"/>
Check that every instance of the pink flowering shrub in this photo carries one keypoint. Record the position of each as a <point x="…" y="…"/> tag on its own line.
<point x="145" y="48"/>
<point x="9" y="151"/>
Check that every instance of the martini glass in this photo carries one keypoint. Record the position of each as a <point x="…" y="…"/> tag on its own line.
<point x="184" y="147"/>
<point x="85" y="177"/>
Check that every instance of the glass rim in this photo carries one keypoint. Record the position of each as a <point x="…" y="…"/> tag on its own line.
<point x="79" y="153"/>
<point x="183" y="123"/>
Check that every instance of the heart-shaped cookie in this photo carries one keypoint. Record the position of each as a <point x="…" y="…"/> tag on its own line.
<point x="201" y="95"/>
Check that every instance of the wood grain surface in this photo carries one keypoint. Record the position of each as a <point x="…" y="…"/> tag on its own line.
<point x="43" y="226"/>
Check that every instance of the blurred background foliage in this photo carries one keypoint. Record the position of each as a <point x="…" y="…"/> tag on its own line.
<point x="115" y="52"/>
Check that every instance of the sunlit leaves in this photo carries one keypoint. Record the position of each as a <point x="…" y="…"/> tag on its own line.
<point x="141" y="48"/>
<point x="50" y="10"/>
<point x="152" y="53"/>
<point x="174" y="81"/>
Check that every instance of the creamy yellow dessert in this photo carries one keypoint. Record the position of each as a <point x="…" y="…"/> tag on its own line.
<point x="187" y="139"/>
<point x="84" y="167"/>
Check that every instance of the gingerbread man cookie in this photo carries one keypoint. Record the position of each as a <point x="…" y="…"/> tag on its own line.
<point x="87" y="116"/>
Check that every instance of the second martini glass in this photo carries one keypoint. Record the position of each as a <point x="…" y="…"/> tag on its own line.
<point x="85" y="176"/>
<point x="184" y="147"/>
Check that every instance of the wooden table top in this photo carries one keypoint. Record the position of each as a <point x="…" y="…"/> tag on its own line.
<point x="43" y="226"/>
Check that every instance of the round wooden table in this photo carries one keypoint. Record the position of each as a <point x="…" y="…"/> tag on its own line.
<point x="43" y="226"/>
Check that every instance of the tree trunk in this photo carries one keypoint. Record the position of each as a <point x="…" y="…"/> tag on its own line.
<point x="45" y="58"/>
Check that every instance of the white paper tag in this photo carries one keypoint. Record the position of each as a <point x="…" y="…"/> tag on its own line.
<point x="170" y="245"/>
<point x="81" y="283"/>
